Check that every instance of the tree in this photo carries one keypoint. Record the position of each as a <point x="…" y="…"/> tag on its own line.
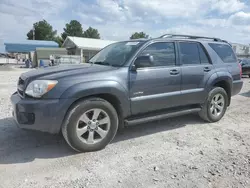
<point x="43" y="31"/>
<point x="91" y="33"/>
<point x="73" y="28"/>
<point x="58" y="40"/>
<point x="138" y="35"/>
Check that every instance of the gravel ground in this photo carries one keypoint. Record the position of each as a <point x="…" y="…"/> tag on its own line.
<point x="178" y="152"/>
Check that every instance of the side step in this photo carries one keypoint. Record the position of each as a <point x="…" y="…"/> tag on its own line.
<point x="160" y="116"/>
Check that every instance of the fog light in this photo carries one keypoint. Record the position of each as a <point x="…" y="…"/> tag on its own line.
<point x="26" y="118"/>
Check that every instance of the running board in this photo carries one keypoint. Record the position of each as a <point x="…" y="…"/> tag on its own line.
<point x="154" y="117"/>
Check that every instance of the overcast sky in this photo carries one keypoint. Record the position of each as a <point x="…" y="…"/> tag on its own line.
<point x="118" y="19"/>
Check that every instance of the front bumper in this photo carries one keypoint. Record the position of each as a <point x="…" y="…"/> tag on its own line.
<point x="45" y="115"/>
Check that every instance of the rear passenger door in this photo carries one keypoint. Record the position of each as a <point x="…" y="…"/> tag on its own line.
<point x="196" y="68"/>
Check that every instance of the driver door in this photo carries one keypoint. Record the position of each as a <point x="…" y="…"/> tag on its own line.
<point x="156" y="86"/>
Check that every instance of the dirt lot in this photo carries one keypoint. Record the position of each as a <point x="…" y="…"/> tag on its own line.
<point x="179" y="152"/>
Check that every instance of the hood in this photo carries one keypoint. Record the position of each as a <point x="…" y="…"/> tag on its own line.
<point x="58" y="72"/>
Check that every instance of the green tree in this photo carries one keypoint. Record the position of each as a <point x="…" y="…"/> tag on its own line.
<point x="138" y="35"/>
<point x="43" y="31"/>
<point x="59" y="40"/>
<point x="73" y="28"/>
<point x="91" y="33"/>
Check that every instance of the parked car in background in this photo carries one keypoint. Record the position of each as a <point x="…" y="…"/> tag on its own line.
<point x="128" y="83"/>
<point x="245" y="65"/>
<point x="2" y="55"/>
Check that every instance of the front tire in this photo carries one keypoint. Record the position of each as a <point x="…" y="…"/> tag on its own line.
<point x="90" y="125"/>
<point x="215" y="106"/>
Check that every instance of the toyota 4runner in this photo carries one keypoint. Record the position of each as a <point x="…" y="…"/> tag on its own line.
<point x="127" y="83"/>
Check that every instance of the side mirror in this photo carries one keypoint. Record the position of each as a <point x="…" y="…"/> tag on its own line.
<point x="143" y="61"/>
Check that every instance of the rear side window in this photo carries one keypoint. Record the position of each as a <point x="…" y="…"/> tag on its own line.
<point x="189" y="53"/>
<point x="225" y="52"/>
<point x="203" y="56"/>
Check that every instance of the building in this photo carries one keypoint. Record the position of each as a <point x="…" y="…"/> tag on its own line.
<point x="45" y="54"/>
<point x="26" y="49"/>
<point x="28" y="46"/>
<point x="85" y="47"/>
<point x="241" y="50"/>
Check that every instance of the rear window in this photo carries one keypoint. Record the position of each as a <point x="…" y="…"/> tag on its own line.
<point x="225" y="52"/>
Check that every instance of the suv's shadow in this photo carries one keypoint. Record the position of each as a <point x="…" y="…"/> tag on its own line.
<point x="20" y="146"/>
<point x="246" y="94"/>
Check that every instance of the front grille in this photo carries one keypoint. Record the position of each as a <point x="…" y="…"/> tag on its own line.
<point x="20" y="92"/>
<point x="20" y="87"/>
<point x="20" y="81"/>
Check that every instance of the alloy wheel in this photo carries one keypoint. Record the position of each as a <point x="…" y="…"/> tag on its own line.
<point x="93" y="126"/>
<point x="217" y="105"/>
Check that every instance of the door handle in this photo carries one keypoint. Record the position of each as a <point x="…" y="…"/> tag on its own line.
<point x="207" y="69"/>
<point x="174" y="72"/>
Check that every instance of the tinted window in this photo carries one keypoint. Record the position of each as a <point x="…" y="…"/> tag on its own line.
<point x="225" y="52"/>
<point x="162" y="52"/>
<point x="203" y="56"/>
<point x="189" y="53"/>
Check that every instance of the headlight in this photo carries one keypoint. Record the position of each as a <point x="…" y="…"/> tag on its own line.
<point x="38" y="88"/>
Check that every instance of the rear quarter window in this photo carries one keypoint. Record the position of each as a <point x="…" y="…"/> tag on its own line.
<point x="225" y="52"/>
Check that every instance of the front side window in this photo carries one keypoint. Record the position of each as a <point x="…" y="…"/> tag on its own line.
<point x="189" y="53"/>
<point x="116" y="54"/>
<point x="225" y="52"/>
<point x="163" y="53"/>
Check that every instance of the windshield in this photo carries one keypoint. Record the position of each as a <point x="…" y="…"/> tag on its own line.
<point x="116" y="54"/>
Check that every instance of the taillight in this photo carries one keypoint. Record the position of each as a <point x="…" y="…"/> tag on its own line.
<point x="240" y="70"/>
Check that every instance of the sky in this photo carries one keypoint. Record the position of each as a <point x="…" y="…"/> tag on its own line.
<point x="118" y="19"/>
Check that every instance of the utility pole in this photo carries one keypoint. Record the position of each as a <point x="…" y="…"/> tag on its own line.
<point x="33" y="32"/>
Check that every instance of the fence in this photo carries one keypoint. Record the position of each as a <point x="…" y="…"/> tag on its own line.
<point x="68" y="59"/>
<point x="8" y="61"/>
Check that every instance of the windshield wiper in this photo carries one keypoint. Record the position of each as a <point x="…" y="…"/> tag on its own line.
<point x="102" y="63"/>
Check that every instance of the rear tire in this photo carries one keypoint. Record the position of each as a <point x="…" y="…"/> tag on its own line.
<point x="249" y="75"/>
<point x="90" y="125"/>
<point x="215" y="106"/>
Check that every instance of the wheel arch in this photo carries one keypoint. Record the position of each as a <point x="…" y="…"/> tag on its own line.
<point x="223" y="80"/>
<point x="110" y="91"/>
<point x="226" y="86"/>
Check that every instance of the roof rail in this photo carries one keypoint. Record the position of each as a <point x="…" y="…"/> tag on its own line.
<point x="140" y="39"/>
<point x="190" y="37"/>
<point x="227" y="42"/>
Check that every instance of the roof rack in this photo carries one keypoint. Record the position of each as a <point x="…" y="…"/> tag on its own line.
<point x="191" y="37"/>
<point x="140" y="39"/>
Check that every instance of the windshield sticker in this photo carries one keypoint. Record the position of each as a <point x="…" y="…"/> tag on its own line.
<point x="132" y="43"/>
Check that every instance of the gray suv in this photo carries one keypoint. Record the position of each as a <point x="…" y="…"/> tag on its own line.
<point x="127" y="83"/>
